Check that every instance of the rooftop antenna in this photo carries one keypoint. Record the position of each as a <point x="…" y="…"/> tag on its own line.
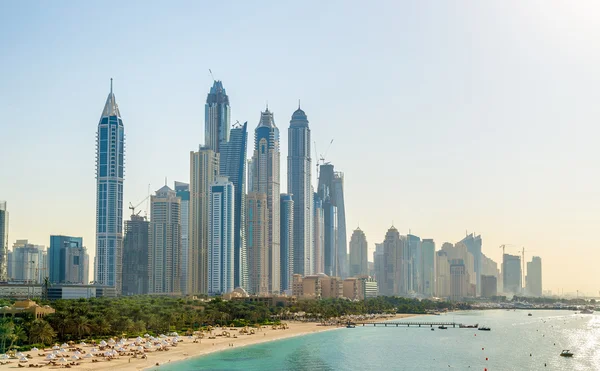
<point x="165" y="180"/>
<point x="111" y="85"/>
<point x="211" y="75"/>
<point x="298" y="103"/>
<point x="267" y="105"/>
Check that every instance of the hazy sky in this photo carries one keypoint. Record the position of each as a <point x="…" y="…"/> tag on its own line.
<point x="446" y="116"/>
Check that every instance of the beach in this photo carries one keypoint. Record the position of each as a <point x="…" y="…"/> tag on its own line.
<point x="186" y="348"/>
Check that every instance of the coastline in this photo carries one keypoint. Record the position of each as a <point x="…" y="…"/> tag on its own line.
<point x="188" y="349"/>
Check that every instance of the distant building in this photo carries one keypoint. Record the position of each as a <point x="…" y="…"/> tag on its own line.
<point x="164" y="253"/>
<point x="391" y="283"/>
<point x="352" y="289"/>
<point x="233" y="165"/>
<point x="319" y="286"/>
<point x="511" y="274"/>
<point x="414" y="260"/>
<point x="27" y="306"/>
<point x="428" y="267"/>
<point x="204" y="168"/>
<point x="286" y="229"/>
<point x="331" y="191"/>
<point x="473" y="244"/>
<point x="489" y="286"/>
<point x="256" y="243"/>
<point x="534" y="277"/>
<point x="442" y="274"/>
<point x="359" y="251"/>
<point x="183" y="192"/>
<point x="299" y="187"/>
<point x="378" y="266"/>
<point x="318" y="235"/>
<point x="21" y="291"/>
<point x="221" y="237"/>
<point x="330" y="234"/>
<point x="28" y="262"/>
<point x="459" y="251"/>
<point x="135" y="256"/>
<point x="217" y="117"/>
<point x="3" y="241"/>
<point x="266" y="179"/>
<point x="110" y="173"/>
<point x="68" y="260"/>
<point x="459" y="282"/>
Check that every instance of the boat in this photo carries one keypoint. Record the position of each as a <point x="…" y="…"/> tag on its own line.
<point x="350" y="325"/>
<point x="468" y="326"/>
<point x="530" y="314"/>
<point x="442" y="327"/>
<point x="566" y="353"/>
<point x="432" y="329"/>
<point x="484" y="328"/>
<point x="587" y="311"/>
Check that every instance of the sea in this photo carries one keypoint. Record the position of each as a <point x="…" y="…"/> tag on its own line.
<point x="516" y="341"/>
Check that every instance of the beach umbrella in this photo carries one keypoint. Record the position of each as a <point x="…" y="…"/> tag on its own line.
<point x="19" y="355"/>
<point x="103" y="343"/>
<point x="146" y="335"/>
<point x="111" y="341"/>
<point x="64" y="345"/>
<point x="23" y="359"/>
<point x="175" y="341"/>
<point x="140" y="349"/>
<point x="62" y="350"/>
<point x="56" y="347"/>
<point x="88" y="356"/>
<point x="50" y="357"/>
<point x="62" y="360"/>
<point x="4" y="356"/>
<point x="74" y="358"/>
<point x="94" y="350"/>
<point x="34" y="349"/>
<point x="77" y="353"/>
<point x="55" y="352"/>
<point x="82" y="344"/>
<point x="162" y="336"/>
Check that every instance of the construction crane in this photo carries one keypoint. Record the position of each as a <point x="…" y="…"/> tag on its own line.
<point x="503" y="247"/>
<point x="132" y="207"/>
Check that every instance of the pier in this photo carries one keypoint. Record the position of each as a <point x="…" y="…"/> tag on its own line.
<point x="408" y="324"/>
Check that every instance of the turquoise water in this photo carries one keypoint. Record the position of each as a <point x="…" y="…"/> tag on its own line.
<point x="508" y="346"/>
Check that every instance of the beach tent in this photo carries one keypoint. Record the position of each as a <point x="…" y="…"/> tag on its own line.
<point x="23" y="360"/>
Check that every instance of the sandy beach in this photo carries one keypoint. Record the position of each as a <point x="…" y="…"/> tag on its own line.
<point x="186" y="348"/>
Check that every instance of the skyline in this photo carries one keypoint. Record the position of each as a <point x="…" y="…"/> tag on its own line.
<point x="496" y="136"/>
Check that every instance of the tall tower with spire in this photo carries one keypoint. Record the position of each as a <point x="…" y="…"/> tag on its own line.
<point x="110" y="152"/>
<point x="217" y="112"/>
<point x="265" y="180"/>
<point x="298" y="183"/>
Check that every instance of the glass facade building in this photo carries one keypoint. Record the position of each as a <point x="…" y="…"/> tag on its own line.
<point x="110" y="151"/>
<point x="217" y="112"/>
<point x="67" y="260"/>
<point x="286" y="229"/>
<point x="220" y="237"/>
<point x="3" y="241"/>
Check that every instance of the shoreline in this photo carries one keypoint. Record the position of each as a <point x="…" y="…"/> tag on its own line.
<point x="187" y="349"/>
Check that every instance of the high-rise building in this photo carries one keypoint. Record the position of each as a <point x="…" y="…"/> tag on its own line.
<point x="256" y="243"/>
<point x="378" y="264"/>
<point x="68" y="261"/>
<point x="413" y="274"/>
<point x="135" y="256"/>
<point x="489" y="286"/>
<point x="164" y="253"/>
<point x="473" y="244"/>
<point x="110" y="151"/>
<point x="217" y="112"/>
<point x="442" y="274"/>
<point x="391" y="282"/>
<point x="331" y="190"/>
<point x="359" y="251"/>
<point x="330" y="234"/>
<point x="428" y="267"/>
<point x="458" y="279"/>
<point x="318" y="235"/>
<point x="204" y="168"/>
<point x="511" y="274"/>
<point x="29" y="262"/>
<point x="3" y="241"/>
<point x="233" y="165"/>
<point x="286" y="229"/>
<point x="299" y="186"/>
<point x="183" y="192"/>
<point x="459" y="251"/>
<point x="265" y="173"/>
<point x="220" y="237"/>
<point x="534" y="277"/>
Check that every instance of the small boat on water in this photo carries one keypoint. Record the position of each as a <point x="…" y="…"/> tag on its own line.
<point x="350" y="325"/>
<point x="484" y="328"/>
<point x="432" y="329"/>
<point x="587" y="311"/>
<point x="566" y="353"/>
<point x="468" y="326"/>
<point x="530" y="314"/>
<point x="442" y="327"/>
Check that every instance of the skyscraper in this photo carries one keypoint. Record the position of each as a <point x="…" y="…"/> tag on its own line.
<point x="458" y="279"/>
<point x="3" y="241"/>
<point x="164" y="253"/>
<point x="473" y="244"/>
<point x="358" y="254"/>
<point x="331" y="189"/>
<point x="393" y="256"/>
<point x="29" y="262"/>
<point x="135" y="256"/>
<point x="183" y="192"/>
<point x="265" y="173"/>
<point x="428" y="267"/>
<point x="511" y="274"/>
<point x="442" y="274"/>
<point x="68" y="261"/>
<point x="110" y="151"/>
<point x="534" y="276"/>
<point x="204" y="167"/>
<point x="318" y="236"/>
<point x="413" y="275"/>
<point x="287" y="241"/>
<point x="220" y="237"/>
<point x="298" y="182"/>
<point x="216" y="111"/>
<point x="258" y="252"/>
<point x="378" y="267"/>
<point x="330" y="235"/>
<point x="233" y="165"/>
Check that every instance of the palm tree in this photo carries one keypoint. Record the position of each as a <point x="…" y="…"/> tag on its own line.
<point x="81" y="325"/>
<point x="19" y="335"/>
<point x="6" y="333"/>
<point x="40" y="331"/>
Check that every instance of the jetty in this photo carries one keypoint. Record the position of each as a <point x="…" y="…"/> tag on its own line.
<point x="408" y="324"/>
